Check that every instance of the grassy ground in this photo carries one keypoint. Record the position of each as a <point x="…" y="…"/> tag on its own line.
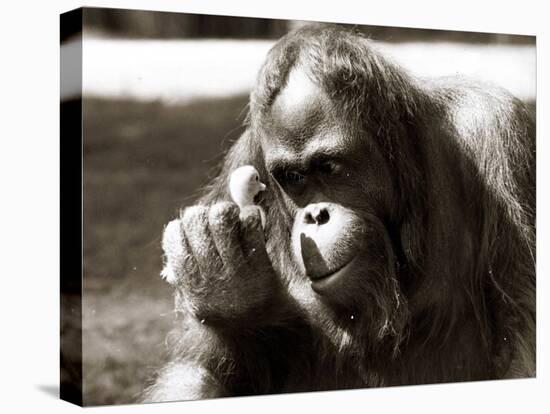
<point x="142" y="162"/>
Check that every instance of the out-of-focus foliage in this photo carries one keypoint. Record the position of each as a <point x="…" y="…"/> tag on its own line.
<point x="162" y="25"/>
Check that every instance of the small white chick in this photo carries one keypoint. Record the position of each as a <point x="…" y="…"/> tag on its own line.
<point x="244" y="185"/>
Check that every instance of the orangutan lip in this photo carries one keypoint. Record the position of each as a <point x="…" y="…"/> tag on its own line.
<point x="323" y="282"/>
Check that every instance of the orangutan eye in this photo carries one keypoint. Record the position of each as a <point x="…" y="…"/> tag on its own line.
<point x="289" y="178"/>
<point x="329" y="168"/>
<point x="294" y="178"/>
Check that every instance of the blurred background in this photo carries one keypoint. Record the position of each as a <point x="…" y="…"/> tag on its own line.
<point x="164" y="96"/>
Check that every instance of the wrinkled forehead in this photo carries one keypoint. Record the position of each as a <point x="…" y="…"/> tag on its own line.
<point x="300" y="120"/>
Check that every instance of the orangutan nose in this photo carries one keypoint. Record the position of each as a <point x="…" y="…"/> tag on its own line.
<point x="316" y="214"/>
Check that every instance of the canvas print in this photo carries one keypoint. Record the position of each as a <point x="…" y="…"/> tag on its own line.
<point x="266" y="206"/>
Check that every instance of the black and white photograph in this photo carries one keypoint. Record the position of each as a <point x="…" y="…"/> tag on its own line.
<point x="295" y="206"/>
<point x="280" y="206"/>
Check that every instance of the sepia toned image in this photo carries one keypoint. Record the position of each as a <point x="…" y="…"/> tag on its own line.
<point x="273" y="206"/>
